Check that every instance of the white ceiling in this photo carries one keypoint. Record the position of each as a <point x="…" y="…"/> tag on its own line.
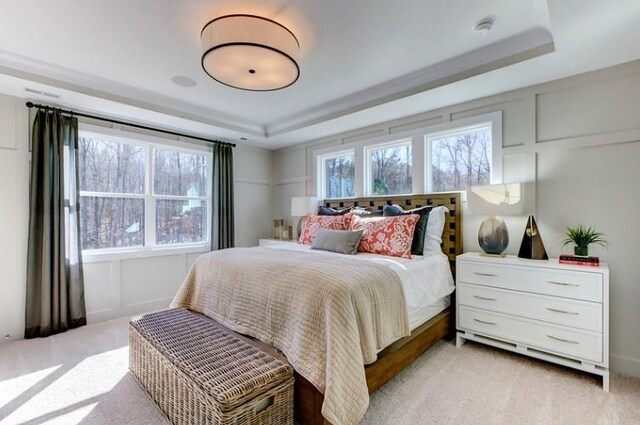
<point x="361" y="61"/>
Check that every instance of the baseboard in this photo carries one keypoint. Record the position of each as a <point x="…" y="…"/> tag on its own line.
<point x="624" y="365"/>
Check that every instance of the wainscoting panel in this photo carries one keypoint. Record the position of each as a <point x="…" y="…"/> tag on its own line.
<point x="607" y="106"/>
<point x="100" y="289"/>
<point x="126" y="287"/>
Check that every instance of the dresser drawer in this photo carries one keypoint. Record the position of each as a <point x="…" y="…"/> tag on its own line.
<point x="560" y="283"/>
<point x="561" y="311"/>
<point x="575" y="343"/>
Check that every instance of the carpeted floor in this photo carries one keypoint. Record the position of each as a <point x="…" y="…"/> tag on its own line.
<point x="80" y="377"/>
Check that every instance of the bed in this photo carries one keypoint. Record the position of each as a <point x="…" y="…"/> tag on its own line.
<point x="328" y="313"/>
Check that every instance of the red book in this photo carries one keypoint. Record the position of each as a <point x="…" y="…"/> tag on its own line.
<point x="579" y="261"/>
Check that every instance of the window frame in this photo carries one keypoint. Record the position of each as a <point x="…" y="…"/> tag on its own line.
<point x="451" y="128"/>
<point x="150" y="144"/>
<point x="321" y="158"/>
<point x="421" y="182"/>
<point x="368" y="169"/>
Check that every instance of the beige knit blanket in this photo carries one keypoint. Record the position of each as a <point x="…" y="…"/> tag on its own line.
<point x="329" y="314"/>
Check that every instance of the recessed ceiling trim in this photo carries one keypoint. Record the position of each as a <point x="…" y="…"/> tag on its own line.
<point x="516" y="49"/>
<point x="43" y="73"/>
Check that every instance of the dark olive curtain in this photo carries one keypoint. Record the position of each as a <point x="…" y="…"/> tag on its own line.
<point x="222" y="235"/>
<point x="55" y="281"/>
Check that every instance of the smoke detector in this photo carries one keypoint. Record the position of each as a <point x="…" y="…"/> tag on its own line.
<point x="483" y="26"/>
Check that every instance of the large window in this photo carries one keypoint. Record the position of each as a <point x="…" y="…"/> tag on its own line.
<point x="459" y="158"/>
<point x="337" y="175"/>
<point x="389" y="168"/>
<point x="449" y="157"/>
<point x="138" y="194"/>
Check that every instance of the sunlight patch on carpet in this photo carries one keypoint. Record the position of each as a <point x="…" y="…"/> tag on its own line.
<point x="73" y="395"/>
<point x="12" y="388"/>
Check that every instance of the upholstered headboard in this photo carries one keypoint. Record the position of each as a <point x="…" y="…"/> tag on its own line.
<point x="452" y="237"/>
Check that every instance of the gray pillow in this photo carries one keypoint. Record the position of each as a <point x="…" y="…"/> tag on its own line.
<point x="341" y="241"/>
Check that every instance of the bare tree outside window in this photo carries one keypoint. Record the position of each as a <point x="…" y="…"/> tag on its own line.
<point x="390" y="169"/>
<point x="339" y="175"/>
<point x="183" y="176"/>
<point x="114" y="194"/>
<point x="109" y="170"/>
<point x="461" y="159"/>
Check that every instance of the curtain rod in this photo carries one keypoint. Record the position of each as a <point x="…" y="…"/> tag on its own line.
<point x="129" y="124"/>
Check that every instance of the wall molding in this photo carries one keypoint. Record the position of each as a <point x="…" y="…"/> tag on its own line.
<point x="293" y="180"/>
<point x="252" y="181"/>
<point x="578" y="142"/>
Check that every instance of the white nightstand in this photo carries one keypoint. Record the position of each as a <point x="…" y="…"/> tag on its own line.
<point x="543" y="309"/>
<point x="271" y="242"/>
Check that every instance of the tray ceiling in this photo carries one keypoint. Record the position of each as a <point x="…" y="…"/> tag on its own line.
<point x="360" y="61"/>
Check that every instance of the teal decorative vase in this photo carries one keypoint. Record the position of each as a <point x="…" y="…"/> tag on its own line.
<point x="493" y="236"/>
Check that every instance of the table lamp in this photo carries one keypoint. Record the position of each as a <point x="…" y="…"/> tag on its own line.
<point x="494" y="201"/>
<point x="301" y="206"/>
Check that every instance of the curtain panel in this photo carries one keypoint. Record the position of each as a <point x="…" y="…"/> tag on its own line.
<point x="55" y="281"/>
<point x="222" y="229"/>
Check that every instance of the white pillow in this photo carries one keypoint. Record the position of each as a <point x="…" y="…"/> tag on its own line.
<point x="435" y="227"/>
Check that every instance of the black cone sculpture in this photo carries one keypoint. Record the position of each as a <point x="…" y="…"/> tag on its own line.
<point x="532" y="246"/>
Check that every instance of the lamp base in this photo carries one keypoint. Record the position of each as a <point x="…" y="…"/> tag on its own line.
<point x="299" y="227"/>
<point x="484" y="254"/>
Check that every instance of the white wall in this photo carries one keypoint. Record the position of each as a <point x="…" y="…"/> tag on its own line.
<point x="14" y="214"/>
<point x="114" y="287"/>
<point x="577" y="141"/>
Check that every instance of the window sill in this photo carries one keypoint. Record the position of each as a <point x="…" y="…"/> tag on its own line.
<point x="99" y="256"/>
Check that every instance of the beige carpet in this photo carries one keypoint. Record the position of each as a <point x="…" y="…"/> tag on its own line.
<point x="80" y="377"/>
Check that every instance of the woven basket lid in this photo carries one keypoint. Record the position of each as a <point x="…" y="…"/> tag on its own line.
<point x="229" y="369"/>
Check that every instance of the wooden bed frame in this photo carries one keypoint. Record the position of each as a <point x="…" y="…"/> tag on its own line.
<point x="396" y="357"/>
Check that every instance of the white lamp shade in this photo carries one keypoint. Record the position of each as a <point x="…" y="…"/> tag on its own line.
<point x="250" y="53"/>
<point x="496" y="199"/>
<point x="303" y="205"/>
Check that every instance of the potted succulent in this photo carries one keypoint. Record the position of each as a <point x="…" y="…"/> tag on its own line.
<point x="582" y="236"/>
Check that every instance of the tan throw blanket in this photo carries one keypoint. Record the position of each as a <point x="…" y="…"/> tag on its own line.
<point x="329" y="314"/>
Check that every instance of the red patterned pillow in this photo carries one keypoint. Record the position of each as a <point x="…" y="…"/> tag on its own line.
<point x="314" y="222"/>
<point x="386" y="235"/>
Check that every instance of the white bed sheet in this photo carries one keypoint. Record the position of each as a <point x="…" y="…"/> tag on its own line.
<point x="427" y="280"/>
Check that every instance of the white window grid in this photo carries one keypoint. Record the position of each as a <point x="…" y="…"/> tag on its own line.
<point x="149" y="197"/>
<point x="421" y="152"/>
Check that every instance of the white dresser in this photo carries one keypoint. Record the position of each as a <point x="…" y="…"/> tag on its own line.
<point x="271" y="242"/>
<point x="543" y="309"/>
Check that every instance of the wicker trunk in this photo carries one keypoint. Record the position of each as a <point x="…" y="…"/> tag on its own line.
<point x="198" y="373"/>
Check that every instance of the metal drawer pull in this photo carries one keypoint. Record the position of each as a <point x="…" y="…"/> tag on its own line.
<point x="562" y="339"/>
<point x="555" y="310"/>
<point x="486" y="323"/>
<point x="555" y="282"/>
<point x="484" y="298"/>
<point x="484" y="274"/>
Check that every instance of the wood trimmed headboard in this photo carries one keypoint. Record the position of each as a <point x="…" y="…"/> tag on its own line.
<point x="452" y="236"/>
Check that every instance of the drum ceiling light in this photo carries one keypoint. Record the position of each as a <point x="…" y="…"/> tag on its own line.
<point x="250" y="53"/>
